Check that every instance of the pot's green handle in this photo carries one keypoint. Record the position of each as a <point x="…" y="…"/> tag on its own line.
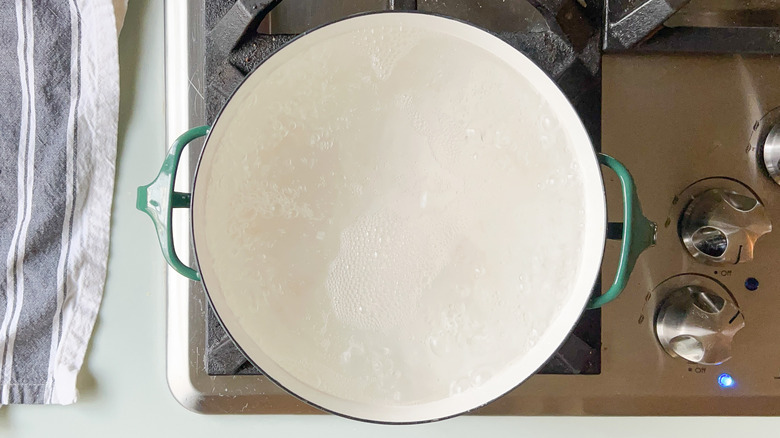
<point x="158" y="200"/>
<point x="638" y="232"/>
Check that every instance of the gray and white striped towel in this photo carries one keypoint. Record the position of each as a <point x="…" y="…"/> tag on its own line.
<point x="59" y="97"/>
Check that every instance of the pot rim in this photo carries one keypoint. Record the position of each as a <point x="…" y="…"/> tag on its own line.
<point x="570" y="313"/>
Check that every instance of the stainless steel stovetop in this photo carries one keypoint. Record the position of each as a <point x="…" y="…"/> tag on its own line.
<point x="683" y="92"/>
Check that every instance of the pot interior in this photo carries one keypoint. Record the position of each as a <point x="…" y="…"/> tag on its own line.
<point x="398" y="217"/>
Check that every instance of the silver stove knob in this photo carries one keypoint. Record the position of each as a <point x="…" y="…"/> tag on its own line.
<point x="698" y="325"/>
<point x="772" y="153"/>
<point x="721" y="226"/>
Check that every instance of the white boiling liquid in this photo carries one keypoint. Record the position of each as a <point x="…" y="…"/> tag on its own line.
<point x="393" y="215"/>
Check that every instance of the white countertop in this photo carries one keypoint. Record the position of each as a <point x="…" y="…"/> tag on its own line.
<point x="122" y="385"/>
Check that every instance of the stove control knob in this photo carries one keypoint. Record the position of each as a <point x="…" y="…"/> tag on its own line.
<point x="772" y="153"/>
<point x="698" y="325"/>
<point x="721" y="226"/>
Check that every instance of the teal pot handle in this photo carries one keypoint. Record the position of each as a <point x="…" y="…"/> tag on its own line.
<point x="158" y="200"/>
<point x="638" y="232"/>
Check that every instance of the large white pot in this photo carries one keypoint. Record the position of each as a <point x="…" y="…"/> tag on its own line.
<point x="398" y="217"/>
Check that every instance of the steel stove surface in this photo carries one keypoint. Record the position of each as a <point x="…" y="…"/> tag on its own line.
<point x="612" y="363"/>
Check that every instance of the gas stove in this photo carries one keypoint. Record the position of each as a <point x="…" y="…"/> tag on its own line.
<point x="683" y="92"/>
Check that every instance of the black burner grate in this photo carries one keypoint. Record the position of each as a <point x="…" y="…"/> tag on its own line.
<point x="565" y="43"/>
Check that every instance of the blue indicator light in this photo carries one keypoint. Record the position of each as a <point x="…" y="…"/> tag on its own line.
<point x="751" y="284"/>
<point x="725" y="380"/>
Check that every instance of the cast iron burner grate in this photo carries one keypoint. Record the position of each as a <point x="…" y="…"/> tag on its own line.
<point x="561" y="36"/>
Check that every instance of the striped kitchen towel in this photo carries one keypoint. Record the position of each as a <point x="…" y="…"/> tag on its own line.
<point x="59" y="101"/>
